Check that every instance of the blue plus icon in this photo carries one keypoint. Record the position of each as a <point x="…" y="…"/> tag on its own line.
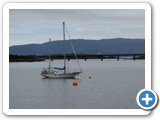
<point x="147" y="99"/>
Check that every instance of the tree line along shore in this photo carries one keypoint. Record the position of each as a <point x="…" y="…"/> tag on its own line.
<point x="34" y="58"/>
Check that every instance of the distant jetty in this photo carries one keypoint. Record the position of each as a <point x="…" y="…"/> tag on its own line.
<point x="34" y="58"/>
<point x="24" y="58"/>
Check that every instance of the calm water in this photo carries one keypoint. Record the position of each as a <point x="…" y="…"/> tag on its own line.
<point x="113" y="85"/>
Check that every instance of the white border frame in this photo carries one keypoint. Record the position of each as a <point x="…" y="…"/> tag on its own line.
<point x="8" y="6"/>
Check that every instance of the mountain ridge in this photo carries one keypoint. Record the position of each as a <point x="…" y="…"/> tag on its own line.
<point x="83" y="46"/>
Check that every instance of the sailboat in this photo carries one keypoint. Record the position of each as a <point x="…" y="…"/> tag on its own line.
<point x="51" y="72"/>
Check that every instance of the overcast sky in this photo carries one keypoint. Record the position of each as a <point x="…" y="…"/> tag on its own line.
<point x="37" y="26"/>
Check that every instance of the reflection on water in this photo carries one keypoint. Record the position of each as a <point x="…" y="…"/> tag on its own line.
<point x="107" y="84"/>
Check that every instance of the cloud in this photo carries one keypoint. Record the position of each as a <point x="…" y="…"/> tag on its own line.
<point x="89" y="24"/>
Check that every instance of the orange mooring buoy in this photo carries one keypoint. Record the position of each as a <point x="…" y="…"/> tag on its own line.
<point x="75" y="83"/>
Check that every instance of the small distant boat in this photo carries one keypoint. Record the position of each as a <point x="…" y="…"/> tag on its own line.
<point x="61" y="73"/>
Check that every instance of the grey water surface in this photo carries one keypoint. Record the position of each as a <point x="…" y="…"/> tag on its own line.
<point x="113" y="85"/>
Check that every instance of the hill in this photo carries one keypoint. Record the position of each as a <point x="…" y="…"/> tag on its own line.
<point x="81" y="46"/>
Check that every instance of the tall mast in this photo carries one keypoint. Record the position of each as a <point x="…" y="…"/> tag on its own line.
<point x="49" y="54"/>
<point x="64" y="47"/>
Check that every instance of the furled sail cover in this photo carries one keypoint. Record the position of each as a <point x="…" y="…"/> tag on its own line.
<point x="59" y="68"/>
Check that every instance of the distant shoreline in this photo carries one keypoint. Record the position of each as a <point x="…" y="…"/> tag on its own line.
<point x="35" y="58"/>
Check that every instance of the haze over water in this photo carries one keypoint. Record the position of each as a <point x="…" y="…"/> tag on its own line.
<point x="113" y="85"/>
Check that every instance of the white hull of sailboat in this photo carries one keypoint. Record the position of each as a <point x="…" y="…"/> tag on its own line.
<point x="61" y="76"/>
